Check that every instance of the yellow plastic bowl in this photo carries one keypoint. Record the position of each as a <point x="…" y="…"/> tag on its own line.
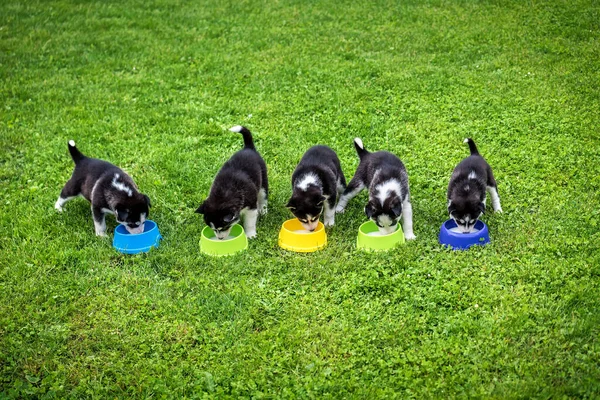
<point x="291" y="239"/>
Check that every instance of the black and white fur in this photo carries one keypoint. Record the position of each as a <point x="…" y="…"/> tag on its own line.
<point x="389" y="196"/>
<point x="239" y="191"/>
<point x="469" y="182"/>
<point x="317" y="182"/>
<point x="108" y="189"/>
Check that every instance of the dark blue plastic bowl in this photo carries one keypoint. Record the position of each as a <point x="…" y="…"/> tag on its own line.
<point x="127" y="243"/>
<point x="462" y="241"/>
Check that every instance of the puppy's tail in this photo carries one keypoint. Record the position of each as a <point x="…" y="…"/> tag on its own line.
<point x="360" y="148"/>
<point x="248" y="142"/>
<point x="472" y="146"/>
<point x="76" y="155"/>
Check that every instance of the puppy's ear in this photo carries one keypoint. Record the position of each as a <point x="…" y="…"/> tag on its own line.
<point x="290" y="205"/>
<point x="147" y="201"/>
<point x="451" y="207"/>
<point x="482" y="207"/>
<point x="369" y="210"/>
<point x="200" y="210"/>
<point x="122" y="214"/>
<point x="321" y="200"/>
<point x="396" y="207"/>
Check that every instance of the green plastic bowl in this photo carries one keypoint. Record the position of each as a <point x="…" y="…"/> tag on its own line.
<point x="364" y="241"/>
<point x="212" y="247"/>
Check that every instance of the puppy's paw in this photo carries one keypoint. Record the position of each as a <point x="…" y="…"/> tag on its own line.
<point x="329" y="222"/>
<point x="251" y="235"/>
<point x="263" y="210"/>
<point x="58" y="208"/>
<point x="339" y="209"/>
<point x="498" y="210"/>
<point x="409" y="236"/>
<point x="101" y="234"/>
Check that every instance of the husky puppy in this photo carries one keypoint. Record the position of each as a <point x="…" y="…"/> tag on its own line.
<point x="239" y="190"/>
<point x="389" y="197"/>
<point x="316" y="183"/>
<point x="469" y="182"/>
<point x="108" y="189"/>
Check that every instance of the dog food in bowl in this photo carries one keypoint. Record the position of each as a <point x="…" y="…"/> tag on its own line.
<point x="129" y="243"/>
<point x="452" y="237"/>
<point x="370" y="238"/>
<point x="294" y="237"/>
<point x="235" y="242"/>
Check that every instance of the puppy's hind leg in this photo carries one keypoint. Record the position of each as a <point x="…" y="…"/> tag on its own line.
<point x="495" y="199"/>
<point x="69" y="191"/>
<point x="353" y="188"/>
<point x="341" y="185"/>
<point x="407" y="220"/>
<point x="262" y="201"/>
<point x="263" y="192"/>
<point x="493" y="191"/>
<point x="329" y="212"/>
<point x="99" y="221"/>
<point x="250" y="217"/>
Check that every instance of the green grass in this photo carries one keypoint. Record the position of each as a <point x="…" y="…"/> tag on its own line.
<point x="153" y="86"/>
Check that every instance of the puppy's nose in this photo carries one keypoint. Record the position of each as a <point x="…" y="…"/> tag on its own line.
<point x="313" y="229"/>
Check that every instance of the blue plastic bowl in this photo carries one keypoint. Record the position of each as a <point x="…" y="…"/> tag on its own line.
<point x="128" y="243"/>
<point x="462" y="241"/>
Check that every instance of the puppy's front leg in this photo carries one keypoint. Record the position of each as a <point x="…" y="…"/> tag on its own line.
<point x="329" y="211"/>
<point x="250" y="217"/>
<point x="99" y="221"/>
<point x="407" y="220"/>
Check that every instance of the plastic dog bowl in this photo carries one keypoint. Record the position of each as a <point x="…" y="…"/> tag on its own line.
<point x="462" y="241"/>
<point x="294" y="237"/>
<point x="128" y="243"/>
<point x="370" y="239"/>
<point x="209" y="244"/>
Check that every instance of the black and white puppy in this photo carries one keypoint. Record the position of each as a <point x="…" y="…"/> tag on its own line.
<point x="469" y="182"/>
<point x="108" y="189"/>
<point x="317" y="182"/>
<point x="239" y="190"/>
<point x="389" y="197"/>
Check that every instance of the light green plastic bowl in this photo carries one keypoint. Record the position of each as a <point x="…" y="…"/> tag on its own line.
<point x="223" y="247"/>
<point x="377" y="243"/>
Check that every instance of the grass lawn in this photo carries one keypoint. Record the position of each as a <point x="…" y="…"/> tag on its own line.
<point x="153" y="86"/>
